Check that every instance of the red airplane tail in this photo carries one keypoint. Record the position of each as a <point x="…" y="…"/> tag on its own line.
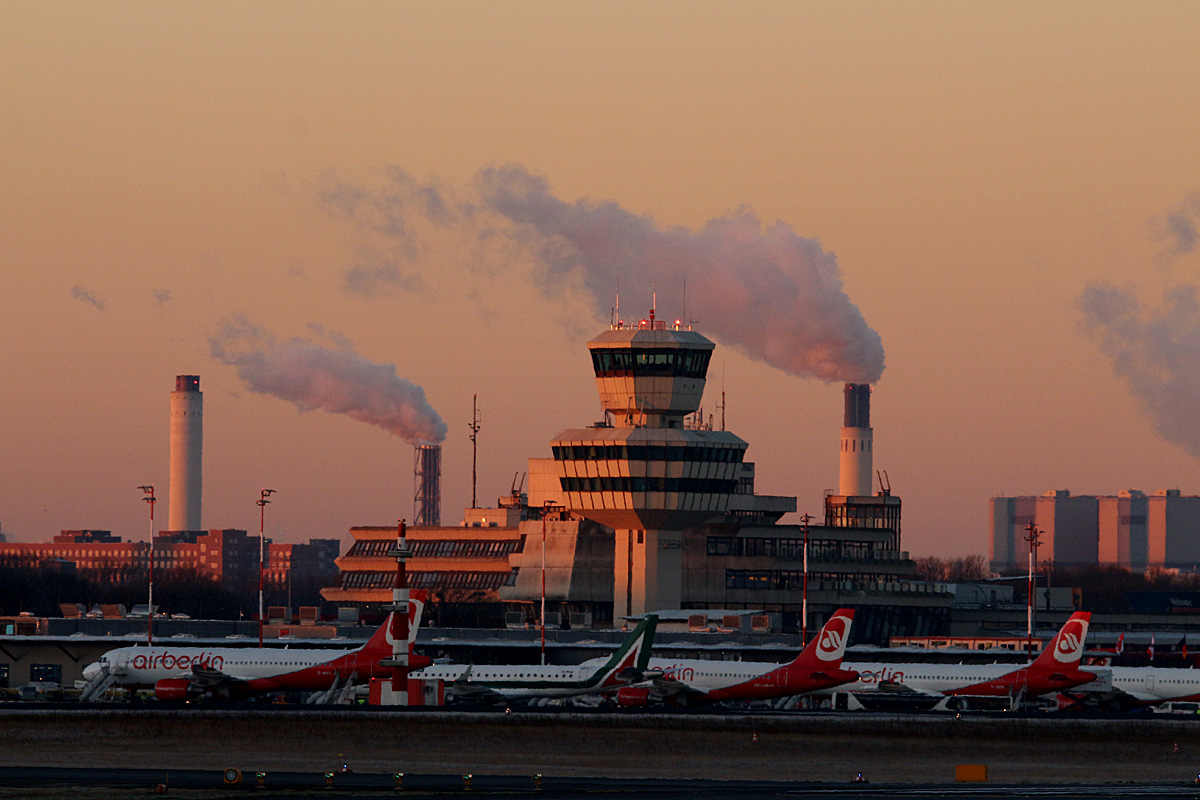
<point x="1065" y="651"/>
<point x="826" y="650"/>
<point x="381" y="641"/>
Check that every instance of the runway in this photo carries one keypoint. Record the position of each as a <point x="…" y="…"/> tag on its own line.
<point x="66" y="783"/>
<point x="766" y="755"/>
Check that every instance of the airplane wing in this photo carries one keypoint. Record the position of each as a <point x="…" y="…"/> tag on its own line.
<point x="463" y="689"/>
<point x="204" y="678"/>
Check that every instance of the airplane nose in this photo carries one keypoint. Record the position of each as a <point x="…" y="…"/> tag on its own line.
<point x="91" y="671"/>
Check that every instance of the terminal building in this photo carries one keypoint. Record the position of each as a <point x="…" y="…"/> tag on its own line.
<point x="652" y="510"/>
<point x="1132" y="529"/>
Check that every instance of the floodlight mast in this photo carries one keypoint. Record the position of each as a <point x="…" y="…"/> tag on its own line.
<point x="262" y="516"/>
<point x="149" y="490"/>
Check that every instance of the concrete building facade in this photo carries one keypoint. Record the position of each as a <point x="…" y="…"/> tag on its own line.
<point x="1130" y="529"/>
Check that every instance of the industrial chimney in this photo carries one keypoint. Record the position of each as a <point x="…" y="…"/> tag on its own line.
<point x="427" y="477"/>
<point x="854" y="475"/>
<point x="187" y="444"/>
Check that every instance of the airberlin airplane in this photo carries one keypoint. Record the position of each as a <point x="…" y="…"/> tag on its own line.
<point x="177" y="673"/>
<point x="1056" y="668"/>
<point x="693" y="680"/>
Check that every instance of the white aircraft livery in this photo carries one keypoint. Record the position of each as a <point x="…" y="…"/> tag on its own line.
<point x="1055" y="669"/>
<point x="684" y="681"/>
<point x="494" y="684"/>
<point x="177" y="673"/>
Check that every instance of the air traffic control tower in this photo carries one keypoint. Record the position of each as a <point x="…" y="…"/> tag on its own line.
<point x="641" y="472"/>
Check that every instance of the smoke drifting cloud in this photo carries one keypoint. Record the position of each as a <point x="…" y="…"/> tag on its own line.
<point x="1180" y="227"/>
<point x="339" y="381"/>
<point x="1156" y="350"/>
<point x="389" y="213"/>
<point x="87" y="296"/>
<point x="775" y="295"/>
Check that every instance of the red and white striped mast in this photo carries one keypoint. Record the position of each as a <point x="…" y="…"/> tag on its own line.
<point x="399" y="611"/>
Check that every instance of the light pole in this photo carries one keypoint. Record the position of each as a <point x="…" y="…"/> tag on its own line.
<point x="262" y="517"/>
<point x="149" y="490"/>
<point x="804" y="595"/>
<point x="545" y="510"/>
<point x="1032" y="536"/>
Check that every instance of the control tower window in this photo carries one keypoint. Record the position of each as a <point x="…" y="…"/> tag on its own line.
<point x="671" y="362"/>
<point x="634" y="452"/>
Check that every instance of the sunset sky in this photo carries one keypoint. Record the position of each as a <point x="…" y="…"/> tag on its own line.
<point x="996" y="203"/>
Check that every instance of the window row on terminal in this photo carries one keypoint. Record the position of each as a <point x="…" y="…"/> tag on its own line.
<point x="789" y="579"/>
<point x="444" y="580"/>
<point x="627" y="484"/>
<point x="672" y="362"/>
<point x="439" y="548"/>
<point x="793" y="549"/>
<point x="653" y="452"/>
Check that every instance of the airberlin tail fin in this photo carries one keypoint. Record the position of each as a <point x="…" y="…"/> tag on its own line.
<point x="381" y="640"/>
<point x="828" y="648"/>
<point x="1065" y="650"/>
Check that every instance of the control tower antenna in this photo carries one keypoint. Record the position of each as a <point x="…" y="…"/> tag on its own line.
<point x="722" y="395"/>
<point x="617" y="308"/>
<point x="474" y="428"/>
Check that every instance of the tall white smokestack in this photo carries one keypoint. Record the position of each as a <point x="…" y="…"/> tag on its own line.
<point x="187" y="444"/>
<point x="855" y="473"/>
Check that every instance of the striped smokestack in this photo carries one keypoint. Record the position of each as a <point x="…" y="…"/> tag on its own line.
<point x="854" y="474"/>
<point x="427" y="496"/>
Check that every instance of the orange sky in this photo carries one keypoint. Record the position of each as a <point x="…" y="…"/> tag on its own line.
<point x="975" y="167"/>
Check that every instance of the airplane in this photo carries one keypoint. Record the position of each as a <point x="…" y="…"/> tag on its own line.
<point x="1126" y="688"/>
<point x="497" y="684"/>
<point x="180" y="673"/>
<point x="683" y="682"/>
<point x="1055" y="669"/>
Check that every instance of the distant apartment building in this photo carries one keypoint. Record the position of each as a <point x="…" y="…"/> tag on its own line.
<point x="1131" y="529"/>
<point x="227" y="555"/>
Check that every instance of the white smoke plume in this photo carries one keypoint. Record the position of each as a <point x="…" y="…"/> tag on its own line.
<point x="775" y="295"/>
<point x="1157" y="351"/>
<point x="766" y="290"/>
<point x="339" y="381"/>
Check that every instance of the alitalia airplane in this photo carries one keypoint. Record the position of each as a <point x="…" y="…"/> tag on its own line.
<point x="497" y="684"/>
<point x="1054" y="670"/>
<point x="178" y="673"/>
<point x="687" y="681"/>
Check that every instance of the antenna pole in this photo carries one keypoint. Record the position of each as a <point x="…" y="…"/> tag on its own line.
<point x="474" y="426"/>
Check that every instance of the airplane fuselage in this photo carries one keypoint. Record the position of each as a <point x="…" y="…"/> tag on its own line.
<point x="990" y="680"/>
<point x="746" y="680"/>
<point x="1157" y="684"/>
<point x="261" y="669"/>
<point x="518" y="682"/>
